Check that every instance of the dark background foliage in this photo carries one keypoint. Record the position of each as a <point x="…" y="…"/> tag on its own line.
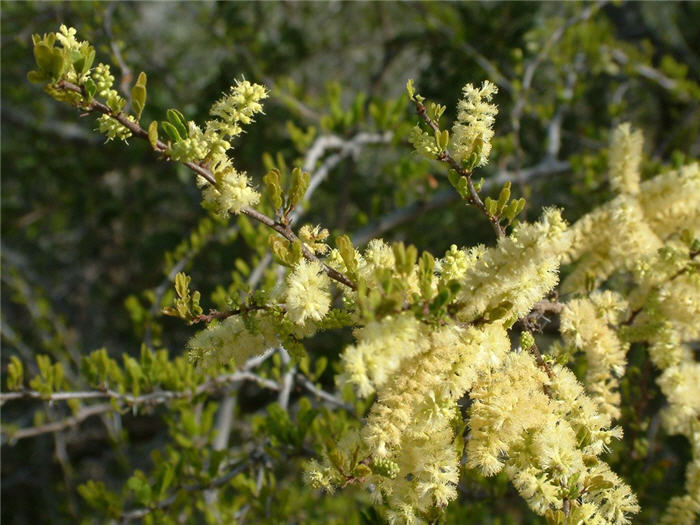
<point x="86" y="225"/>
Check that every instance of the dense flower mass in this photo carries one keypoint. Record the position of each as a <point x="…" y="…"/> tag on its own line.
<point x="649" y="231"/>
<point x="473" y="130"/>
<point x="308" y="295"/>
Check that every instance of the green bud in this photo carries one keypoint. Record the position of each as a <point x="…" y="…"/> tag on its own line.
<point x="410" y="89"/>
<point x="385" y="467"/>
<point x="526" y="340"/>
<point x="503" y="197"/>
<point x="347" y="252"/>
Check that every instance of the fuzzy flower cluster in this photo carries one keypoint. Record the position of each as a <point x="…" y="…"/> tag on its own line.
<point x="232" y="194"/>
<point x="509" y="278"/>
<point x="313" y="237"/>
<point x="625" y="156"/>
<point x="547" y="443"/>
<point x="308" y="292"/>
<point x="588" y="324"/>
<point x="473" y="130"/>
<point x="418" y="374"/>
<point x="232" y="341"/>
<point x="632" y="226"/>
<point x="195" y="146"/>
<point x="377" y="257"/>
<point x="648" y="231"/>
<point x="456" y="262"/>
<point x="536" y="438"/>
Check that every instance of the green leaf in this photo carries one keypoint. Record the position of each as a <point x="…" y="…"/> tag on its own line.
<point x="15" y="374"/>
<point x="279" y="248"/>
<point x="491" y="205"/>
<point x="166" y="478"/>
<point x="442" y="139"/>
<point x="272" y="181"/>
<point x="90" y="88"/>
<point x="296" y="254"/>
<point x="178" y="120"/>
<point x="138" y="95"/>
<point x="89" y="60"/>
<point x="57" y="64"/>
<point x="171" y="131"/>
<point x="43" y="56"/>
<point x="463" y="187"/>
<point x="37" y="77"/>
<point x="300" y="183"/>
<point x="182" y="284"/>
<point x="140" y="488"/>
<point x="153" y="134"/>
<point x="425" y="275"/>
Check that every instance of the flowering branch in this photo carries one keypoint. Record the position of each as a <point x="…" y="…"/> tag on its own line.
<point x="445" y="157"/>
<point x="138" y="131"/>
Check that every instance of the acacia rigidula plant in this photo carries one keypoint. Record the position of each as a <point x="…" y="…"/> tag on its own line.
<point x="431" y="331"/>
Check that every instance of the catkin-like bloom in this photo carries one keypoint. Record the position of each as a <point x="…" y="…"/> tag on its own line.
<point x="509" y="278"/>
<point x="546" y="443"/>
<point x="685" y="510"/>
<point x="381" y="348"/>
<point x="671" y="201"/>
<point x="625" y="157"/>
<point x="428" y="384"/>
<point x="611" y="237"/>
<point x="236" y="108"/>
<point x="473" y="130"/>
<point x="308" y="292"/>
<point x="681" y="386"/>
<point x="586" y="326"/>
<point x="230" y="341"/>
